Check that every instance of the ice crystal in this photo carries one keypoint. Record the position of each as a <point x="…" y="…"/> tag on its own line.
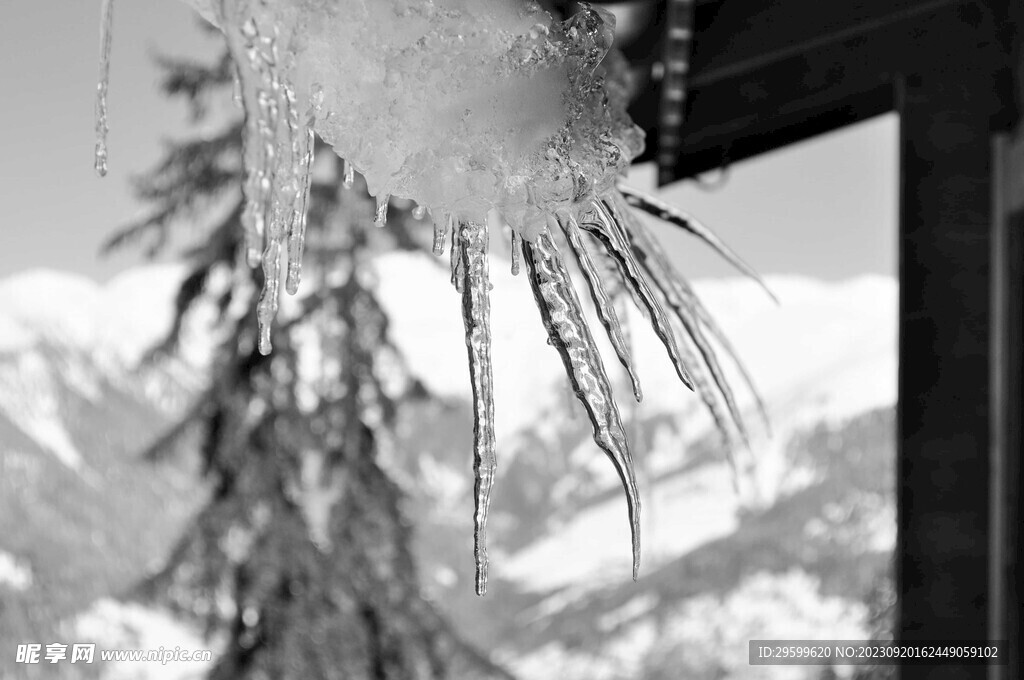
<point x="489" y="115"/>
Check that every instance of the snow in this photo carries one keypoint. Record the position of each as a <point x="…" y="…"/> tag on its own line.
<point x="456" y="104"/>
<point x="116" y="625"/>
<point x="705" y="636"/>
<point x="828" y="351"/>
<point x="60" y="331"/>
<point x="680" y="514"/>
<point x="14" y="573"/>
<point x="31" y="400"/>
<point x="120" y="319"/>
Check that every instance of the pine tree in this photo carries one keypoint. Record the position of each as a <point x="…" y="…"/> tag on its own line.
<point x="300" y="559"/>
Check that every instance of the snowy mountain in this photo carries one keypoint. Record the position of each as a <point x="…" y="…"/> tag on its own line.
<point x="81" y="515"/>
<point x="801" y="553"/>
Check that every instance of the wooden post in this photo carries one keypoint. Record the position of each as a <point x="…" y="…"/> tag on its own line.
<point x="944" y="350"/>
<point x="1007" y="396"/>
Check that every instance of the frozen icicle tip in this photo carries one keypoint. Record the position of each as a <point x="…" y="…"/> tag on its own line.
<point x="349" y="175"/>
<point x="264" y="345"/>
<point x="380" y="218"/>
<point x="293" y="278"/>
<point x="419" y="212"/>
<point x="101" y="159"/>
<point x="253" y="257"/>
<point x="442" y="225"/>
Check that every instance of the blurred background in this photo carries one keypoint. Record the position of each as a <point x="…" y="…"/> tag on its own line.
<point x="144" y="499"/>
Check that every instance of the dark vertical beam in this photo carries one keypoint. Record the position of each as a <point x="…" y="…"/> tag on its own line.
<point x="944" y="351"/>
<point x="1007" y="397"/>
<point x="675" y="60"/>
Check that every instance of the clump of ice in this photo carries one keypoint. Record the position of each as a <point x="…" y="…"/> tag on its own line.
<point x="460" y="105"/>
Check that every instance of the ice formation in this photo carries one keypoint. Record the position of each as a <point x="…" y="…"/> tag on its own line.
<point x="106" y="34"/>
<point x="490" y="115"/>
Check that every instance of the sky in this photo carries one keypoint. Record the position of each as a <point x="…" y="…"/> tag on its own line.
<point x="824" y="208"/>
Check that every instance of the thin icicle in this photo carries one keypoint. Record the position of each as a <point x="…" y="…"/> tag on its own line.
<point x="602" y="302"/>
<point x="664" y="211"/>
<point x="569" y="334"/>
<point x="442" y="225"/>
<point x="236" y="89"/>
<point x="476" y="315"/>
<point x="691" y="310"/>
<point x="455" y="257"/>
<point x="380" y="215"/>
<point x="516" y="250"/>
<point x="350" y="175"/>
<point x="297" y="228"/>
<point x="276" y="173"/>
<point x="266" y="308"/>
<point x="705" y="389"/>
<point x="612" y="235"/>
<point x="662" y="281"/>
<point x="106" y="40"/>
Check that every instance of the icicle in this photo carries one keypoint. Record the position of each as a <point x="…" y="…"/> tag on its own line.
<point x="692" y="314"/>
<point x="380" y="216"/>
<point x="350" y="175"/>
<point x="106" y="39"/>
<point x="455" y="257"/>
<point x="236" y="89"/>
<point x="602" y="302"/>
<point x="419" y="212"/>
<point x="275" y="155"/>
<point x="266" y="308"/>
<point x="690" y="324"/>
<point x="673" y="215"/>
<point x="297" y="228"/>
<point x="568" y="332"/>
<point x="516" y="250"/>
<point x="442" y="225"/>
<point x="476" y="315"/>
<point x="612" y="236"/>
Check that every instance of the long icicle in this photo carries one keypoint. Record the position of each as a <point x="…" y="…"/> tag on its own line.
<point x="710" y="385"/>
<point x="275" y="160"/>
<point x="297" y="229"/>
<point x="602" y="301"/>
<point x="689" y="308"/>
<point x="106" y="40"/>
<point x="612" y="236"/>
<point x="668" y="213"/>
<point x="476" y="315"/>
<point x="685" y="315"/>
<point x="569" y="333"/>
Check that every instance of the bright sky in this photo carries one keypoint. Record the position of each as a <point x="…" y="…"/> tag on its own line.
<point x="825" y="208"/>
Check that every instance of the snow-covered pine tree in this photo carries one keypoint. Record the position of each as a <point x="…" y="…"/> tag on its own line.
<point x="300" y="559"/>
